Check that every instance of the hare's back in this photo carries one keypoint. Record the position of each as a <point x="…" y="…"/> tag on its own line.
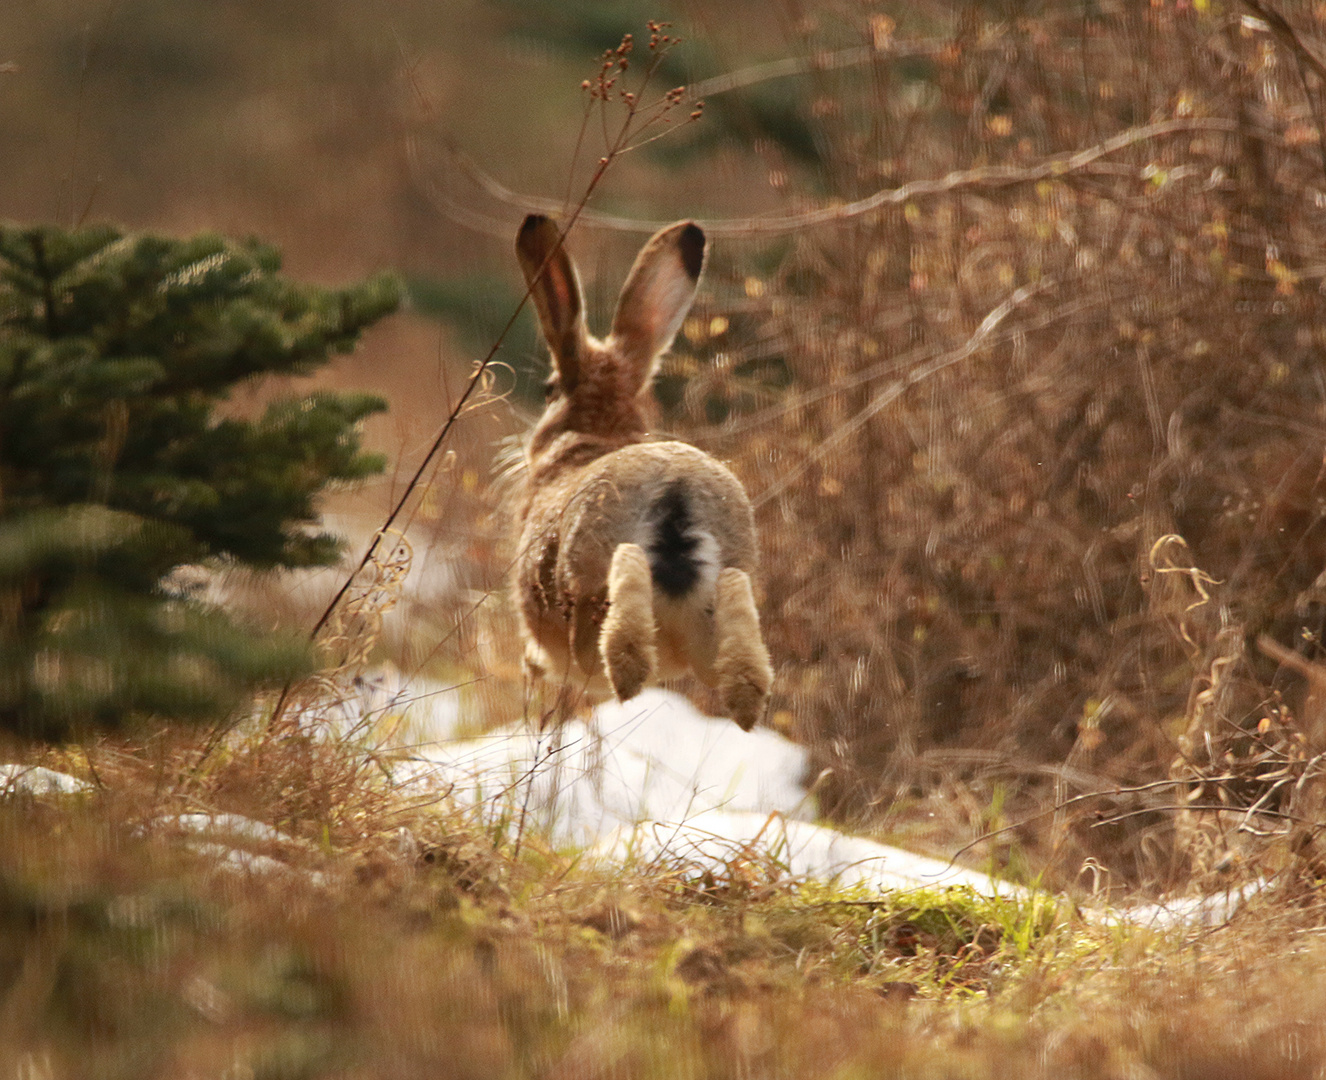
<point x="685" y="509"/>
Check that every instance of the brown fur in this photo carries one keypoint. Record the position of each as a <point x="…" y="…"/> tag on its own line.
<point x="627" y="640"/>
<point x="742" y="668"/>
<point x="588" y="600"/>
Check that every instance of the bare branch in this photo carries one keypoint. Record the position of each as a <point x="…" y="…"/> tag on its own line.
<point x="1314" y="673"/>
<point x="1283" y="31"/>
<point x="896" y="389"/>
<point x="982" y="177"/>
<point x="804" y="65"/>
<point x="1064" y="804"/>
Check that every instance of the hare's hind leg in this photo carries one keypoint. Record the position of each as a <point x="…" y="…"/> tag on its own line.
<point x="742" y="666"/>
<point x="627" y="640"/>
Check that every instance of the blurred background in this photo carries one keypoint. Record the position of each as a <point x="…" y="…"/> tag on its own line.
<point x="1037" y="450"/>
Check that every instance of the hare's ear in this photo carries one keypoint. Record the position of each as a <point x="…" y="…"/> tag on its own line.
<point x="555" y="287"/>
<point x="657" y="294"/>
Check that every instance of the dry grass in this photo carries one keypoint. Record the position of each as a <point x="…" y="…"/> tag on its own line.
<point x="396" y="940"/>
<point x="977" y="416"/>
<point x="1032" y="416"/>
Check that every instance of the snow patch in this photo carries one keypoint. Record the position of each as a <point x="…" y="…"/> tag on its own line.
<point x="39" y="780"/>
<point x="717" y="838"/>
<point x="416" y="710"/>
<point x="654" y="757"/>
<point x="652" y="782"/>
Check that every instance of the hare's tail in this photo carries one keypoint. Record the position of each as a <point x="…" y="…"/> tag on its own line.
<point x="680" y="552"/>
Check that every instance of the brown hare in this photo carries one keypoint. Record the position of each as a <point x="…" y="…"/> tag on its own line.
<point x="635" y="555"/>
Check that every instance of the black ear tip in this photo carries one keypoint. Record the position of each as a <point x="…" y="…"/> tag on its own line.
<point x="532" y="223"/>
<point x="691" y="245"/>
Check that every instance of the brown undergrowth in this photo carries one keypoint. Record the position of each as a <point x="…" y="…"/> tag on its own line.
<point x="376" y="930"/>
<point x="1037" y="443"/>
<point x="1026" y="384"/>
<point x="389" y="937"/>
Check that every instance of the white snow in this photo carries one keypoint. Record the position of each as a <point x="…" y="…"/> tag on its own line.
<point x="229" y="826"/>
<point x="39" y="780"/>
<point x="431" y="710"/>
<point x="653" y="758"/>
<point x="651" y="782"/>
<point x="718" y="838"/>
<point x="1210" y="910"/>
<point x="654" y="781"/>
<point x="223" y="836"/>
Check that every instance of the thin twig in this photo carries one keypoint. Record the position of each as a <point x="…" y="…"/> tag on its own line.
<point x="476" y="377"/>
<point x="895" y="390"/>
<point x="1314" y="673"/>
<point x="1064" y="804"/>
<point x="1280" y="815"/>
<point x="856" y="56"/>
<point x="981" y="177"/>
<point x="1283" y="30"/>
<point x="614" y="148"/>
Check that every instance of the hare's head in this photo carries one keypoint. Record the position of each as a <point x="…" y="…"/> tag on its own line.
<point x="600" y="387"/>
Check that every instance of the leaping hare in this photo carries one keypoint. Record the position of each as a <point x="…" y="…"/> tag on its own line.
<point x="635" y="555"/>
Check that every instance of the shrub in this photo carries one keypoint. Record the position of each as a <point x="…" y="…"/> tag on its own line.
<point x="1050" y="464"/>
<point x="115" y="468"/>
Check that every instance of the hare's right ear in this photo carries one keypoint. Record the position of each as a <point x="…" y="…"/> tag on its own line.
<point x="657" y="294"/>
<point x="555" y="287"/>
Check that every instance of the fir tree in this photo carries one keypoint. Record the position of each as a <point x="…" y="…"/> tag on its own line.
<point x="115" y="469"/>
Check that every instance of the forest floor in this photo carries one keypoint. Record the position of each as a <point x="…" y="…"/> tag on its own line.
<point x="364" y="929"/>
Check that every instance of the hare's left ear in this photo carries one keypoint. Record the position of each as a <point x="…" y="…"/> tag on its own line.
<point x="555" y="289"/>
<point x="657" y="294"/>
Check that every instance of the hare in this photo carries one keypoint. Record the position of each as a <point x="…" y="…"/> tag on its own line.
<point x="635" y="555"/>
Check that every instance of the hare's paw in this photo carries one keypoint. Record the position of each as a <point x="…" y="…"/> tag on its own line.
<point x="627" y="640"/>
<point x="744" y="674"/>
